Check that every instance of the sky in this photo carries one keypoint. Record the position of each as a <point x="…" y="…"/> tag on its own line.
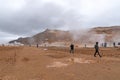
<point x="20" y="18"/>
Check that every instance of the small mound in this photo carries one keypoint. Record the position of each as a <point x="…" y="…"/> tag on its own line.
<point x="25" y="59"/>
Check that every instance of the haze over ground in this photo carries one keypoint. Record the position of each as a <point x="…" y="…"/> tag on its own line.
<point x="27" y="17"/>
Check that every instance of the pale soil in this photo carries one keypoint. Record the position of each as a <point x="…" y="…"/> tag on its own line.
<point x="31" y="63"/>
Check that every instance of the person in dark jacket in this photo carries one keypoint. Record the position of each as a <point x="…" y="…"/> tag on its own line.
<point x="97" y="50"/>
<point x="71" y="48"/>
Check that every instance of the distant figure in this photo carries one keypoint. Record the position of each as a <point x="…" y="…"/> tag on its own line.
<point x="71" y="48"/>
<point x="29" y="45"/>
<point x="37" y="46"/>
<point x="105" y="44"/>
<point x="118" y="43"/>
<point x="102" y="45"/>
<point x="3" y="45"/>
<point x="97" y="50"/>
<point x="114" y="44"/>
<point x="85" y="45"/>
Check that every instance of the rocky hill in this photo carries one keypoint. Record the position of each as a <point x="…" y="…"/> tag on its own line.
<point x="112" y="34"/>
<point x="107" y="30"/>
<point x="46" y="36"/>
<point x="103" y="34"/>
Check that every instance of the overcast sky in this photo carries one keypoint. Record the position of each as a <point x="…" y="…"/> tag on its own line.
<point x="28" y="17"/>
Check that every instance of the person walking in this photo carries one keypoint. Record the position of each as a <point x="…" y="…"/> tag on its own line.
<point x="72" y="48"/>
<point x="96" y="50"/>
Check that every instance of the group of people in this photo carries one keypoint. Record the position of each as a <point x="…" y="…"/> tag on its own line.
<point x="96" y="49"/>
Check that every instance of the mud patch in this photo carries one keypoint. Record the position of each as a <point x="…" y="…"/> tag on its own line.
<point x="8" y="78"/>
<point x="25" y="59"/>
<point x="57" y="56"/>
<point x="37" y="79"/>
<point x="80" y="60"/>
<point x="57" y="64"/>
<point x="70" y="61"/>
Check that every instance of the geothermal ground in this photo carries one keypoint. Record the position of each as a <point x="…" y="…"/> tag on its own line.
<point x="53" y="63"/>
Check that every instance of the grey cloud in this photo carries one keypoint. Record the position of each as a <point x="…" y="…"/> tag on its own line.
<point x="34" y="17"/>
<point x="110" y="17"/>
<point x="4" y="39"/>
